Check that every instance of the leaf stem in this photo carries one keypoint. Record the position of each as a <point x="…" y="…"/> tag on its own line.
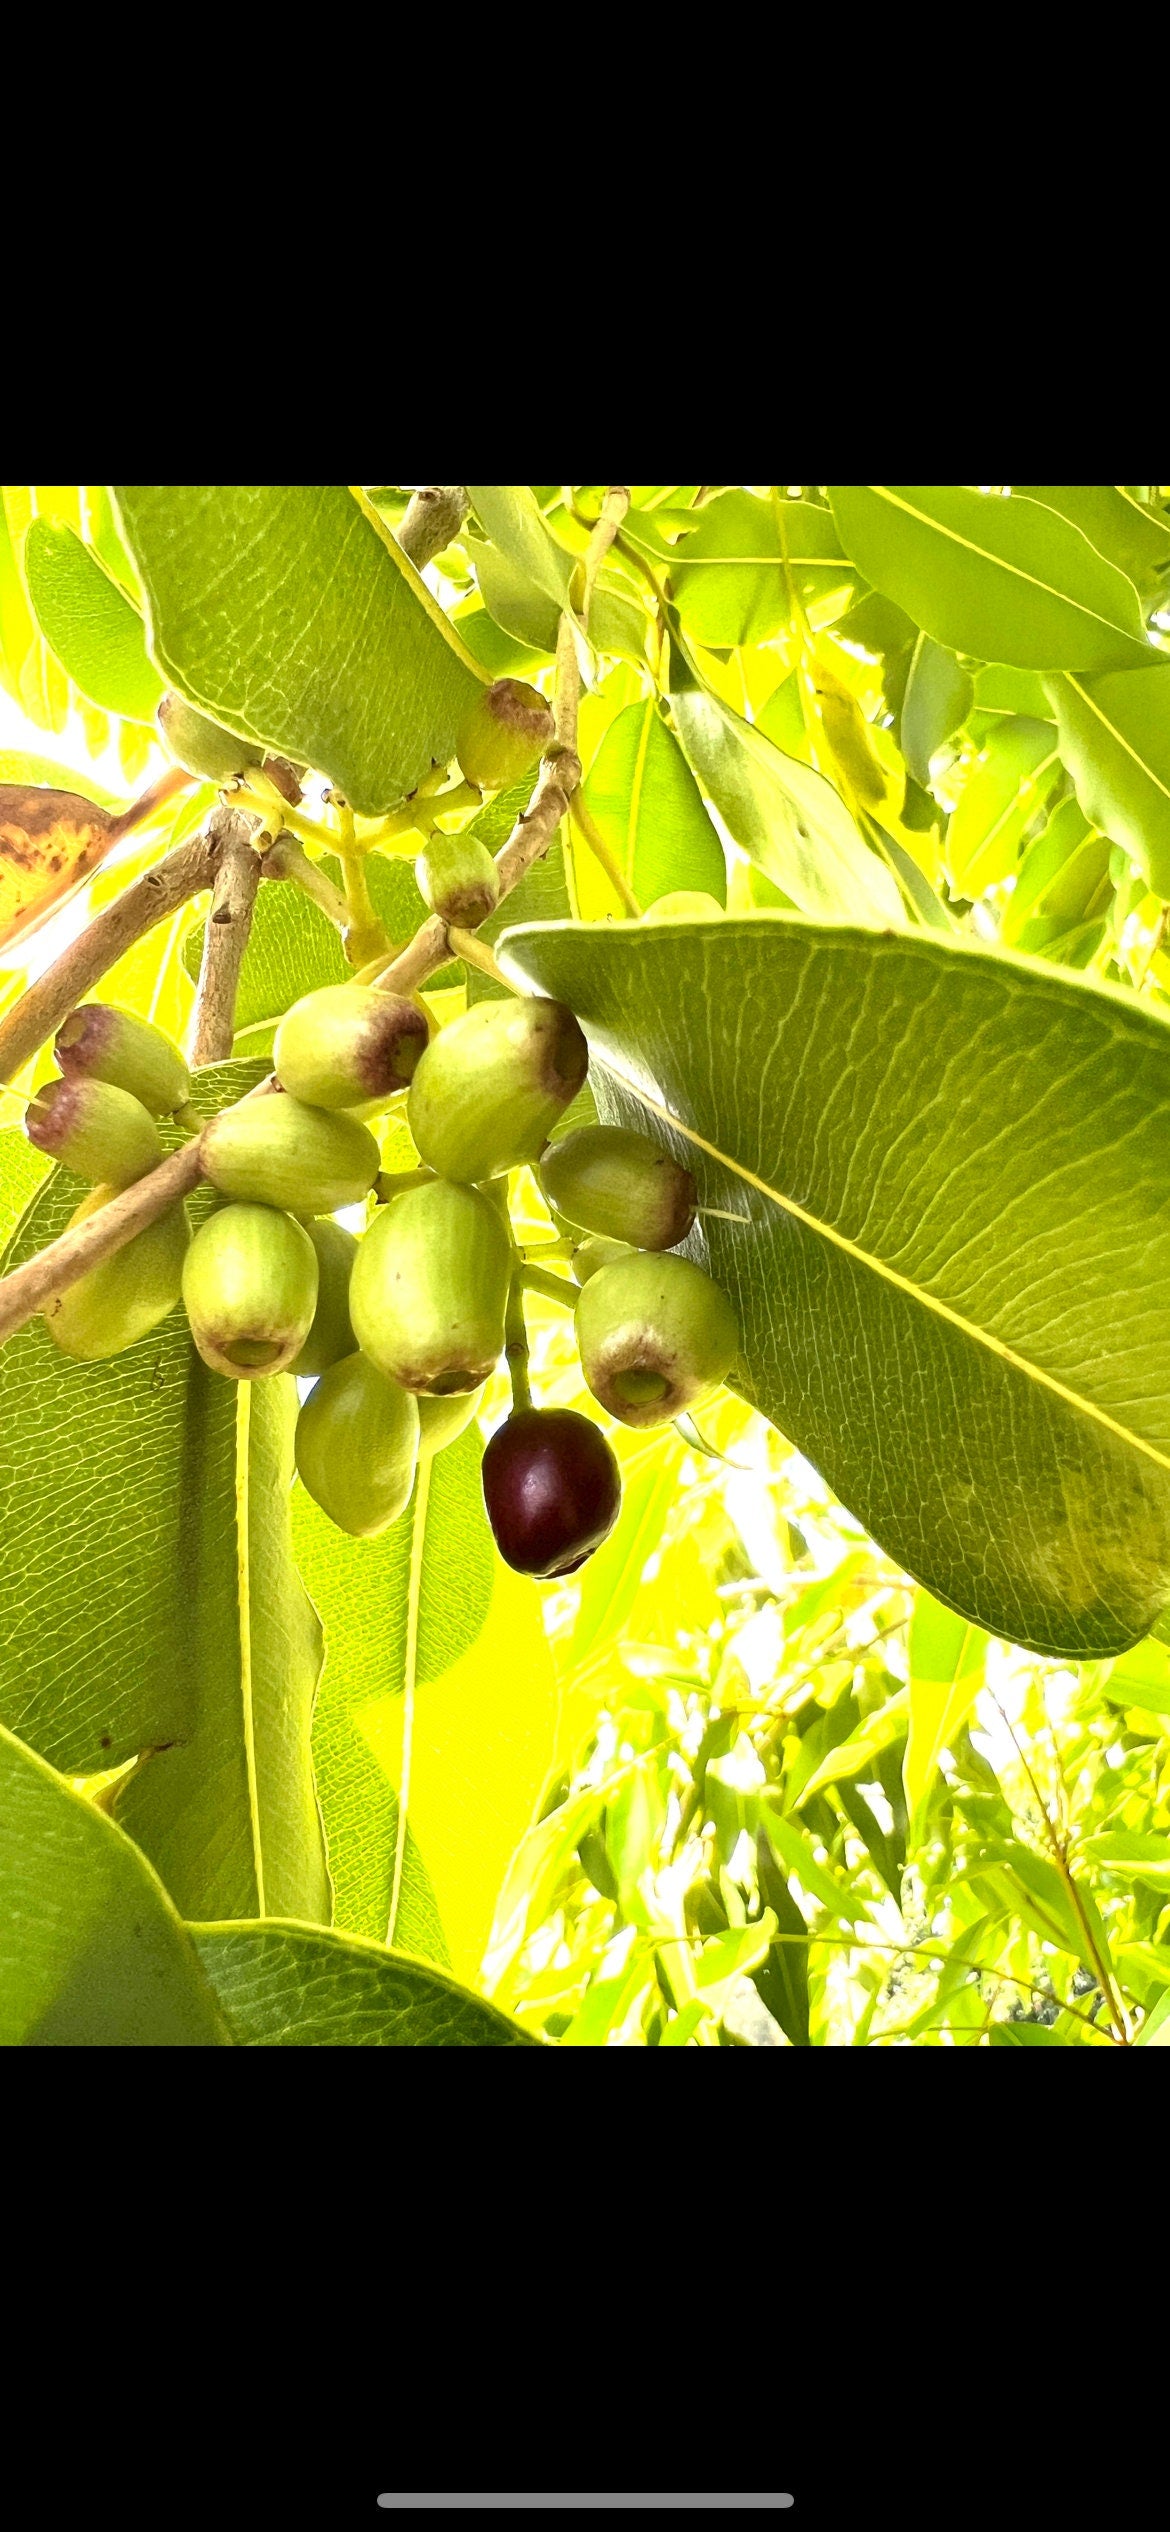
<point x="552" y="1287"/>
<point x="286" y="859"/>
<point x="516" y="1343"/>
<point x="477" y="954"/>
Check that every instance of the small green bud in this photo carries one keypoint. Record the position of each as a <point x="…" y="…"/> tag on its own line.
<point x="491" y="1086"/>
<point x="357" y="1446"/>
<point x="655" y="1336"/>
<point x="593" y="1254"/>
<point x="250" y="1290"/>
<point x="331" y="1336"/>
<point x="113" y="1045"/>
<point x="608" y="1179"/>
<point x="458" y="880"/>
<point x="276" y="1151"/>
<point x="503" y="734"/>
<point x="430" y="1286"/>
<point x="101" y="1132"/>
<point x="200" y="746"/>
<point x="349" y="1046"/>
<point x="442" y="1420"/>
<point x="683" y="905"/>
<point x="126" y="1294"/>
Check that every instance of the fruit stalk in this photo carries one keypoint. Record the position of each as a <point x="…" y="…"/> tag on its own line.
<point x="516" y="1344"/>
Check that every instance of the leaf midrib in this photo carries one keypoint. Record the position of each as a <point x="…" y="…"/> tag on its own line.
<point x="1143" y="766"/>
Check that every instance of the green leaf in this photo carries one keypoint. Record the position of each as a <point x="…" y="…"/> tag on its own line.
<point x="426" y="1621"/>
<point x="999" y="579"/>
<point x="1063" y="877"/>
<point x="947" y="1659"/>
<point x="1114" y="736"/>
<point x="868" y="1738"/>
<point x="1011" y="690"/>
<point x="293" y="1986"/>
<point x="1155" y="2030"/>
<point x="794" y="1847"/>
<point x="784" y="815"/>
<point x="643" y="797"/>
<point x="950" y="1264"/>
<point x="525" y="573"/>
<point x="999" y="800"/>
<point x="1139" y="1856"/>
<point x="1125" y="531"/>
<point x="939" y="694"/>
<point x="16" y="766"/>
<point x="92" y="1954"/>
<point x="150" y="1602"/>
<point x="291" y="614"/>
<point x="88" y="623"/>
<point x="1141" y="1677"/>
<point x="727" y="577"/>
<point x="499" y="652"/>
<point x="1025" y="2035"/>
<point x="22" y="1170"/>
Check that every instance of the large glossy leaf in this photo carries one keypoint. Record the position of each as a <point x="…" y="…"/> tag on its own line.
<point x="88" y="623"/>
<point x="953" y="1260"/>
<point x="939" y="694"/>
<point x="291" y="614"/>
<point x="1064" y="876"/>
<point x="786" y="817"/>
<point x="1126" y="531"/>
<point x="947" y="1660"/>
<point x="426" y="1623"/>
<point x="728" y="577"/>
<point x="92" y="1954"/>
<point x="643" y="797"/>
<point x="999" y="579"/>
<point x="1114" y="735"/>
<point x="150" y="1602"/>
<point x="292" y="1986"/>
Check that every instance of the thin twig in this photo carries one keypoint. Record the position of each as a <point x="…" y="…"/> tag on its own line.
<point x="180" y="875"/>
<point x="237" y="877"/>
<point x="433" y="515"/>
<point x="286" y="859"/>
<point x="477" y="954"/>
<point x="516" y="1344"/>
<point x="26" y="1290"/>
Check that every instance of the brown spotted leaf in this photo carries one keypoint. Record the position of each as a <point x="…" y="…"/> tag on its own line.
<point x="50" y="843"/>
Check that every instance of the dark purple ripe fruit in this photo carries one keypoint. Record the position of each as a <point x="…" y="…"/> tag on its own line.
<point x="553" y="1489"/>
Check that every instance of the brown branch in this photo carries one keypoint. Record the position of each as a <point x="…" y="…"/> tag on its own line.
<point x="149" y="802"/>
<point x="237" y="877"/>
<point x="150" y="900"/>
<point x="27" y="1289"/>
<point x="434" y="514"/>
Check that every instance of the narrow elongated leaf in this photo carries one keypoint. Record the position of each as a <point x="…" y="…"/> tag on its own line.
<point x="150" y="1603"/>
<point x="999" y="579"/>
<point x="939" y="694"/>
<point x="952" y="1264"/>
<point x="426" y="1621"/>
<point x="1000" y="799"/>
<point x="1114" y="736"/>
<point x="784" y="815"/>
<point x="1064" y="874"/>
<point x="642" y="795"/>
<point x="92" y="1954"/>
<point x="1133" y="1853"/>
<point x="1142" y="1677"/>
<point x="293" y="1986"/>
<point x="947" y="1659"/>
<point x="88" y="623"/>
<point x="291" y="614"/>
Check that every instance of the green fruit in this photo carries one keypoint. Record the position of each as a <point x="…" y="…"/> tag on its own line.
<point x="126" y="1294"/>
<point x="274" y="1150"/>
<point x="357" y="1445"/>
<point x="250" y="1290"/>
<point x="331" y="1336"/>
<point x="655" y="1336"/>
<point x="349" y="1046"/>
<point x="101" y="1132"/>
<point x="113" y="1045"/>
<point x="683" y="905"/>
<point x="608" y="1179"/>
<point x="503" y="734"/>
<point x="200" y="746"/>
<point x="491" y="1086"/>
<point x="458" y="880"/>
<point x="429" y="1288"/>
<point x="593" y="1254"/>
<point x="442" y="1420"/>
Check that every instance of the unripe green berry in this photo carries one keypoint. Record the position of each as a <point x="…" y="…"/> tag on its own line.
<point x="250" y="1290"/>
<point x="609" y="1179"/>
<point x="200" y="746"/>
<point x="112" y="1045"/>
<point x="331" y="1337"/>
<point x="593" y="1254"/>
<point x="655" y="1336"/>
<point x="491" y="1086"/>
<point x="442" y="1420"/>
<point x="503" y="734"/>
<point x="683" y="905"/>
<point x="274" y="1150"/>
<point x="357" y="1446"/>
<point x="101" y="1132"/>
<point x="123" y="1296"/>
<point x="349" y="1046"/>
<point x="458" y="880"/>
<point x="430" y="1286"/>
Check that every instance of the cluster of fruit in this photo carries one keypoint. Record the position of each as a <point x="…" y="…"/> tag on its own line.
<point x="399" y="1329"/>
